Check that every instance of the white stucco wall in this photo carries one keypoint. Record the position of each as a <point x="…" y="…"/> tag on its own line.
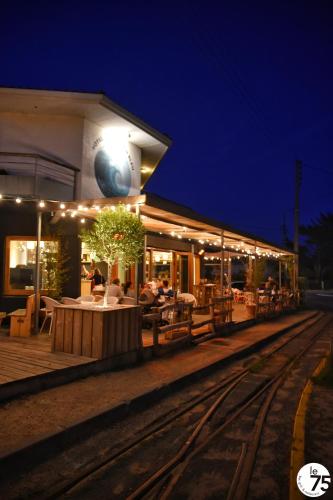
<point x="58" y="137"/>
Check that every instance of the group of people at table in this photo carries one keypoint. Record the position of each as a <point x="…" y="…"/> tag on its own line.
<point x="153" y="293"/>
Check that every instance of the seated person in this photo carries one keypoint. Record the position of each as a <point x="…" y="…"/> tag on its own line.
<point x="165" y="289"/>
<point x="128" y="290"/>
<point x="115" y="289"/>
<point x="147" y="298"/>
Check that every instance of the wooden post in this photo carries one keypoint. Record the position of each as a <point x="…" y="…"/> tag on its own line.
<point x="37" y="270"/>
<point x="137" y="271"/>
<point x="222" y="263"/>
<point x="229" y="270"/>
<point x="280" y="275"/>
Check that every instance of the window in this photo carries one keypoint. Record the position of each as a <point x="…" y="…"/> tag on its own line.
<point x="162" y="265"/>
<point x="21" y="264"/>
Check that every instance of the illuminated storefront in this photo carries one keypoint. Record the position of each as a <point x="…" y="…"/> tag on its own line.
<point x="94" y="155"/>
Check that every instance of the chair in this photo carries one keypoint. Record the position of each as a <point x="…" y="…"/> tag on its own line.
<point x="85" y="298"/>
<point x="188" y="298"/>
<point x="129" y="301"/>
<point x="98" y="298"/>
<point x="21" y="320"/>
<point x="112" y="300"/>
<point x="49" y="307"/>
<point x="67" y="301"/>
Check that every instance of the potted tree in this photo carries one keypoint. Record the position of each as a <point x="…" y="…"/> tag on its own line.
<point x="117" y="235"/>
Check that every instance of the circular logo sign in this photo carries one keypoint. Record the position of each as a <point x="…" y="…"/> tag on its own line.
<point x="313" y="480"/>
<point x="112" y="179"/>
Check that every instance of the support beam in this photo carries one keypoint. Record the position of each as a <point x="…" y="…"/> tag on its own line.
<point x="37" y="270"/>
<point x="222" y="263"/>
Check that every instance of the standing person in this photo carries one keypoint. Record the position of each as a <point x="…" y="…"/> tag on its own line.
<point x="97" y="278"/>
<point x="115" y="289"/>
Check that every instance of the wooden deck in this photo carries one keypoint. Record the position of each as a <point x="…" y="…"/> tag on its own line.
<point x="27" y="364"/>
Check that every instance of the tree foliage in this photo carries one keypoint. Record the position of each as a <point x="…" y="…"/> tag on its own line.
<point x="319" y="240"/>
<point x="116" y="236"/>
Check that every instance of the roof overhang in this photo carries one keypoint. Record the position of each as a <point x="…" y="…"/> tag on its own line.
<point x="169" y="219"/>
<point x="97" y="108"/>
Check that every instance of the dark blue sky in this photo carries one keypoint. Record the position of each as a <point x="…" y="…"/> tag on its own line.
<point x="242" y="88"/>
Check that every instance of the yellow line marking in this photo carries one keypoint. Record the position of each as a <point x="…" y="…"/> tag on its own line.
<point x="297" y="444"/>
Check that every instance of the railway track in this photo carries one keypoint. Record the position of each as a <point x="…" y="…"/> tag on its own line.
<point x="161" y="458"/>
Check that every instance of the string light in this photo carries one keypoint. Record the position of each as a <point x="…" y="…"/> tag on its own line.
<point x="18" y="200"/>
<point x="62" y="206"/>
<point x="63" y="214"/>
<point x="83" y="221"/>
<point x="42" y="203"/>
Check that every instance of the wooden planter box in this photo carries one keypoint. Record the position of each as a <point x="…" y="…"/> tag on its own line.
<point x="96" y="332"/>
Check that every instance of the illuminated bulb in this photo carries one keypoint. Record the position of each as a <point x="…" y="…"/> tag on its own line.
<point x="160" y="232"/>
<point x="73" y="214"/>
<point x="85" y="209"/>
<point x="0" y="196"/>
<point x="62" y="206"/>
<point x="179" y="236"/>
<point x="18" y="200"/>
<point x="113" y="208"/>
<point x="128" y="207"/>
<point x="80" y="207"/>
<point x="172" y="233"/>
<point x="83" y="221"/>
<point x="97" y="208"/>
<point x="42" y="204"/>
<point x="63" y="214"/>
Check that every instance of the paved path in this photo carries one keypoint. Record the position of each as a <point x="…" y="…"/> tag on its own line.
<point x="27" y="420"/>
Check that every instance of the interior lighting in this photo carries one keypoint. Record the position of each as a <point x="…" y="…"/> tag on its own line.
<point x="18" y="200"/>
<point x="83" y="221"/>
<point x="0" y="196"/>
<point x="172" y="233"/>
<point x="42" y="204"/>
<point x="179" y="236"/>
<point x="63" y="214"/>
<point x="201" y="251"/>
<point x="62" y="206"/>
<point x="201" y="241"/>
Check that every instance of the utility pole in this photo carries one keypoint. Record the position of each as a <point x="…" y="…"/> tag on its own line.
<point x="298" y="180"/>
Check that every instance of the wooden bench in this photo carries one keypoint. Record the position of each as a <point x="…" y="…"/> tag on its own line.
<point x="21" y="320"/>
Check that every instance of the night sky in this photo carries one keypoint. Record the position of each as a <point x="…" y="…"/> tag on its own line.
<point x="242" y="88"/>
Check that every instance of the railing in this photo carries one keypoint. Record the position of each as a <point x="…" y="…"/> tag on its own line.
<point x="176" y="319"/>
<point x="38" y="167"/>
